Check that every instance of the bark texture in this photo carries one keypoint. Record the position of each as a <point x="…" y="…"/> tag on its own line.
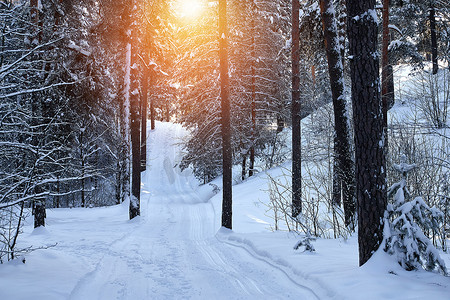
<point x="434" y="53"/>
<point x="225" y="113"/>
<point x="343" y="165"/>
<point x="36" y="107"/>
<point x="144" y="104"/>
<point x="135" y="126"/>
<point x="253" y="104"/>
<point x="135" y="142"/>
<point x="295" y="111"/>
<point x="368" y="120"/>
<point x="387" y="83"/>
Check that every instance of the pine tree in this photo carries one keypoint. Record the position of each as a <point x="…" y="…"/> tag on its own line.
<point x="367" y="115"/>
<point x="406" y="220"/>
<point x="343" y="171"/>
<point x="296" y="110"/>
<point x="135" y="125"/>
<point x="227" y="162"/>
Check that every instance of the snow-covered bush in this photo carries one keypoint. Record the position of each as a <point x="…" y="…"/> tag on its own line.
<point x="306" y="241"/>
<point x="429" y="148"/>
<point x="433" y="95"/>
<point x="11" y="223"/>
<point x="405" y="223"/>
<point x="319" y="217"/>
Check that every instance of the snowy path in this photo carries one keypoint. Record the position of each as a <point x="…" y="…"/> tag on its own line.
<point x="173" y="252"/>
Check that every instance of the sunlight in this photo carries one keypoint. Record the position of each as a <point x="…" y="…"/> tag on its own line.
<point x="190" y="8"/>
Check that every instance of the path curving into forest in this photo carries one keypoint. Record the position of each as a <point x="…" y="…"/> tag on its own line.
<point x="173" y="252"/>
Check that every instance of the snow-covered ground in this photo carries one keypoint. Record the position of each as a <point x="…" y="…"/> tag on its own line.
<point x="176" y="249"/>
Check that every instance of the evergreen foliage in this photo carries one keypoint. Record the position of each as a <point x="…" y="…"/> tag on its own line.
<point x="406" y="221"/>
<point x="306" y="242"/>
<point x="261" y="68"/>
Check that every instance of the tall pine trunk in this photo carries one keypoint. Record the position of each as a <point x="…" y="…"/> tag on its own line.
<point x="152" y="107"/>
<point x="225" y="111"/>
<point x="434" y="53"/>
<point x="36" y="107"/>
<point x="368" y="119"/>
<point x="253" y="104"/>
<point x="343" y="166"/>
<point x="295" y="111"/>
<point x="135" y="125"/>
<point x="244" y="167"/>
<point x="144" y="104"/>
<point x="387" y="82"/>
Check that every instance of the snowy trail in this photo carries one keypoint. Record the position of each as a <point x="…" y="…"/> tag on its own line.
<point x="173" y="252"/>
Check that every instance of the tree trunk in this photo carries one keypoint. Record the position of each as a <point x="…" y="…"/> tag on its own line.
<point x="58" y="192"/>
<point x="280" y="124"/>
<point x="225" y="111"/>
<point x="135" y="125"/>
<point x="144" y="104"/>
<point x="342" y="34"/>
<point x="434" y="53"/>
<point x="135" y="142"/>
<point x="368" y="119"/>
<point x="39" y="213"/>
<point x="36" y="107"/>
<point x="118" y="182"/>
<point x="244" y="167"/>
<point x="384" y="60"/>
<point x="83" y="198"/>
<point x="253" y="104"/>
<point x="152" y="114"/>
<point x="343" y="170"/>
<point x="295" y="110"/>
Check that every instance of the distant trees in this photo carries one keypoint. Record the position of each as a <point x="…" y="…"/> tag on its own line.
<point x="426" y="35"/>
<point x="57" y="129"/>
<point x="258" y="85"/>
<point x="61" y="105"/>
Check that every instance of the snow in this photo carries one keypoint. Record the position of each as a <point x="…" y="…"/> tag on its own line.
<point x="177" y="250"/>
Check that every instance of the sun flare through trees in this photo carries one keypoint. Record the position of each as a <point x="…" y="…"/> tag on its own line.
<point x="190" y="9"/>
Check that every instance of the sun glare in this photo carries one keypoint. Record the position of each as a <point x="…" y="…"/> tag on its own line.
<point x="190" y="8"/>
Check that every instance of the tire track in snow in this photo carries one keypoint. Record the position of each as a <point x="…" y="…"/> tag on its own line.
<point x="174" y="253"/>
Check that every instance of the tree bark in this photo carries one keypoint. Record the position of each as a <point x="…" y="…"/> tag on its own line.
<point x="253" y="104"/>
<point x="384" y="60"/>
<point x="368" y="120"/>
<point x="343" y="170"/>
<point x="144" y="104"/>
<point x="244" y="167"/>
<point x="225" y="112"/>
<point x="342" y="34"/>
<point x="387" y="83"/>
<point x="36" y="107"/>
<point x="434" y="53"/>
<point x="295" y="111"/>
<point x="135" y="125"/>
<point x="135" y="142"/>
<point x="152" y="113"/>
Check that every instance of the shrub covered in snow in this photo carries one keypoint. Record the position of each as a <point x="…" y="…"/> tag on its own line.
<point x="306" y="241"/>
<point x="405" y="223"/>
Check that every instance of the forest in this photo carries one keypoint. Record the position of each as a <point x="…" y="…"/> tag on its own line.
<point x="323" y="121"/>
